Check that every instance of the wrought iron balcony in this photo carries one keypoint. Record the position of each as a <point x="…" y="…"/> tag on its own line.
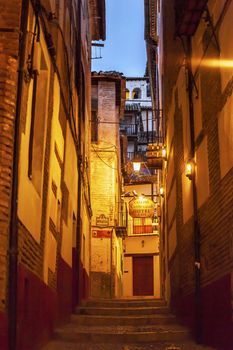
<point x="122" y="222"/>
<point x="129" y="129"/>
<point x="145" y="137"/>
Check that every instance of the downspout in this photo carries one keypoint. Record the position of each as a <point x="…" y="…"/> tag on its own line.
<point x="78" y="231"/>
<point x="198" y="326"/>
<point x="13" y="225"/>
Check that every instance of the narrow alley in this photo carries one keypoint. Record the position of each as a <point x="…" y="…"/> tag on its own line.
<point x="116" y="175"/>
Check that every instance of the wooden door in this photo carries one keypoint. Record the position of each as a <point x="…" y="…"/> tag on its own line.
<point x="143" y="276"/>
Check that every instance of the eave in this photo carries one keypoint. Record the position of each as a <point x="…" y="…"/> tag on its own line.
<point x="188" y="15"/>
<point x="97" y="19"/>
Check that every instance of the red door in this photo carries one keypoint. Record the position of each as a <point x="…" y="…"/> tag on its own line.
<point x="143" y="276"/>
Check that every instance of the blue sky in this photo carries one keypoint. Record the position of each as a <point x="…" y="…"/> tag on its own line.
<point x="124" y="49"/>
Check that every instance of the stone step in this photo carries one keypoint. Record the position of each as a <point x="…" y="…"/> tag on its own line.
<point x="121" y="311"/>
<point x="149" y="334"/>
<point x="59" y="345"/>
<point x="93" y="320"/>
<point x="124" y="303"/>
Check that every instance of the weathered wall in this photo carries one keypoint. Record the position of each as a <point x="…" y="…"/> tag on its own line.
<point x="213" y="166"/>
<point x="9" y="46"/>
<point x="48" y="168"/>
<point x="106" y="248"/>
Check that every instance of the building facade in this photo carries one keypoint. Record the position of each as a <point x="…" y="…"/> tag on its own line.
<point x="140" y="132"/>
<point x="108" y="219"/>
<point x="190" y="50"/>
<point x="45" y="207"/>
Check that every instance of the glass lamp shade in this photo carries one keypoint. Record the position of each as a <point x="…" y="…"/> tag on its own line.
<point x="136" y="166"/>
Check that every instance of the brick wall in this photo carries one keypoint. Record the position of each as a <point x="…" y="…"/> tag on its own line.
<point x="214" y="215"/>
<point x="9" y="45"/>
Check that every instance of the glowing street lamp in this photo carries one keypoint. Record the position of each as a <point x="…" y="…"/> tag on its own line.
<point x="137" y="161"/>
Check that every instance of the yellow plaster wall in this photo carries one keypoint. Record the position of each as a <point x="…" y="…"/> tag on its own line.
<point x="141" y="245"/>
<point x="85" y="253"/>
<point x="170" y="169"/>
<point x="157" y="287"/>
<point x="187" y="198"/>
<point x="29" y="201"/>
<point x="226" y="53"/>
<point x="172" y="240"/>
<point x="170" y="126"/>
<point x="197" y="106"/>
<point x="145" y="189"/>
<point x="225" y="134"/>
<point x="202" y="179"/>
<point x="101" y="255"/>
<point x="171" y="204"/>
<point x="57" y="139"/>
<point x="71" y="181"/>
<point x="128" y="277"/>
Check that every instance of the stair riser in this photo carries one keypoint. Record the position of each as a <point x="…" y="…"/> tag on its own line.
<point x="121" y="312"/>
<point x="124" y="338"/>
<point x="121" y="321"/>
<point x="124" y="304"/>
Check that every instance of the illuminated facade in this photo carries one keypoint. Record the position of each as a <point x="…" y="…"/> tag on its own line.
<point x="45" y="206"/>
<point x="108" y="219"/>
<point x="190" y="53"/>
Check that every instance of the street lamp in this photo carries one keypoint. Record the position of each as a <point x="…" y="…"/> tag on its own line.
<point x="137" y="161"/>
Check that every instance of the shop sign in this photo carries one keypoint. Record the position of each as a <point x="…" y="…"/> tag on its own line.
<point x="141" y="207"/>
<point x="102" y="220"/>
<point x="101" y="233"/>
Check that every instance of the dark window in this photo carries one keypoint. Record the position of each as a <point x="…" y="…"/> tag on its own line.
<point x="94" y="127"/>
<point x="38" y="122"/>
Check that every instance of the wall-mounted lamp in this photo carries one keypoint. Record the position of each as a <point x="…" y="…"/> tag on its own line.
<point x="137" y="161"/>
<point x="164" y="152"/>
<point x="189" y="168"/>
<point x="161" y="191"/>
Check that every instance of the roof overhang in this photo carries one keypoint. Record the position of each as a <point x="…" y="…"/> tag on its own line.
<point x="98" y="19"/>
<point x="188" y="15"/>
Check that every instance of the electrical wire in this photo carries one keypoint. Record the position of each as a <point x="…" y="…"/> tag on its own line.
<point x="102" y="160"/>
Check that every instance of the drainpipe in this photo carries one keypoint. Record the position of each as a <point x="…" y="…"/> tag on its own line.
<point x="13" y="225"/>
<point x="79" y="146"/>
<point x="198" y="327"/>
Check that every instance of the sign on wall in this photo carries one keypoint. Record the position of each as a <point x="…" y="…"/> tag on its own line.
<point x="102" y="220"/>
<point x="101" y="233"/>
<point x="141" y="207"/>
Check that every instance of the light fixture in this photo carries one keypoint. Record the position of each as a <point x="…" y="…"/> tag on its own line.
<point x="164" y="153"/>
<point x="161" y="191"/>
<point x="137" y="160"/>
<point x="189" y="168"/>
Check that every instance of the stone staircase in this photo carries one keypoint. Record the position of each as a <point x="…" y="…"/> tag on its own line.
<point x="122" y="324"/>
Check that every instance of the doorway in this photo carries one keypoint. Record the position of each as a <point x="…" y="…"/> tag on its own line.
<point x="143" y="275"/>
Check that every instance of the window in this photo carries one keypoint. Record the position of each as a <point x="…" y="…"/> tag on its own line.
<point x="94" y="127"/>
<point x="142" y="226"/>
<point x="38" y="120"/>
<point x="127" y="94"/>
<point x="136" y="93"/>
<point x="148" y="92"/>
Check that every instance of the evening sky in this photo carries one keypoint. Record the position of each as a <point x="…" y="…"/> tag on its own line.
<point x="124" y="49"/>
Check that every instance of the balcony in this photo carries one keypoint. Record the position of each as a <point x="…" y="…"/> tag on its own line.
<point x="188" y="15"/>
<point x="155" y="155"/>
<point x="145" y="137"/>
<point x="122" y="222"/>
<point x="129" y="129"/>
